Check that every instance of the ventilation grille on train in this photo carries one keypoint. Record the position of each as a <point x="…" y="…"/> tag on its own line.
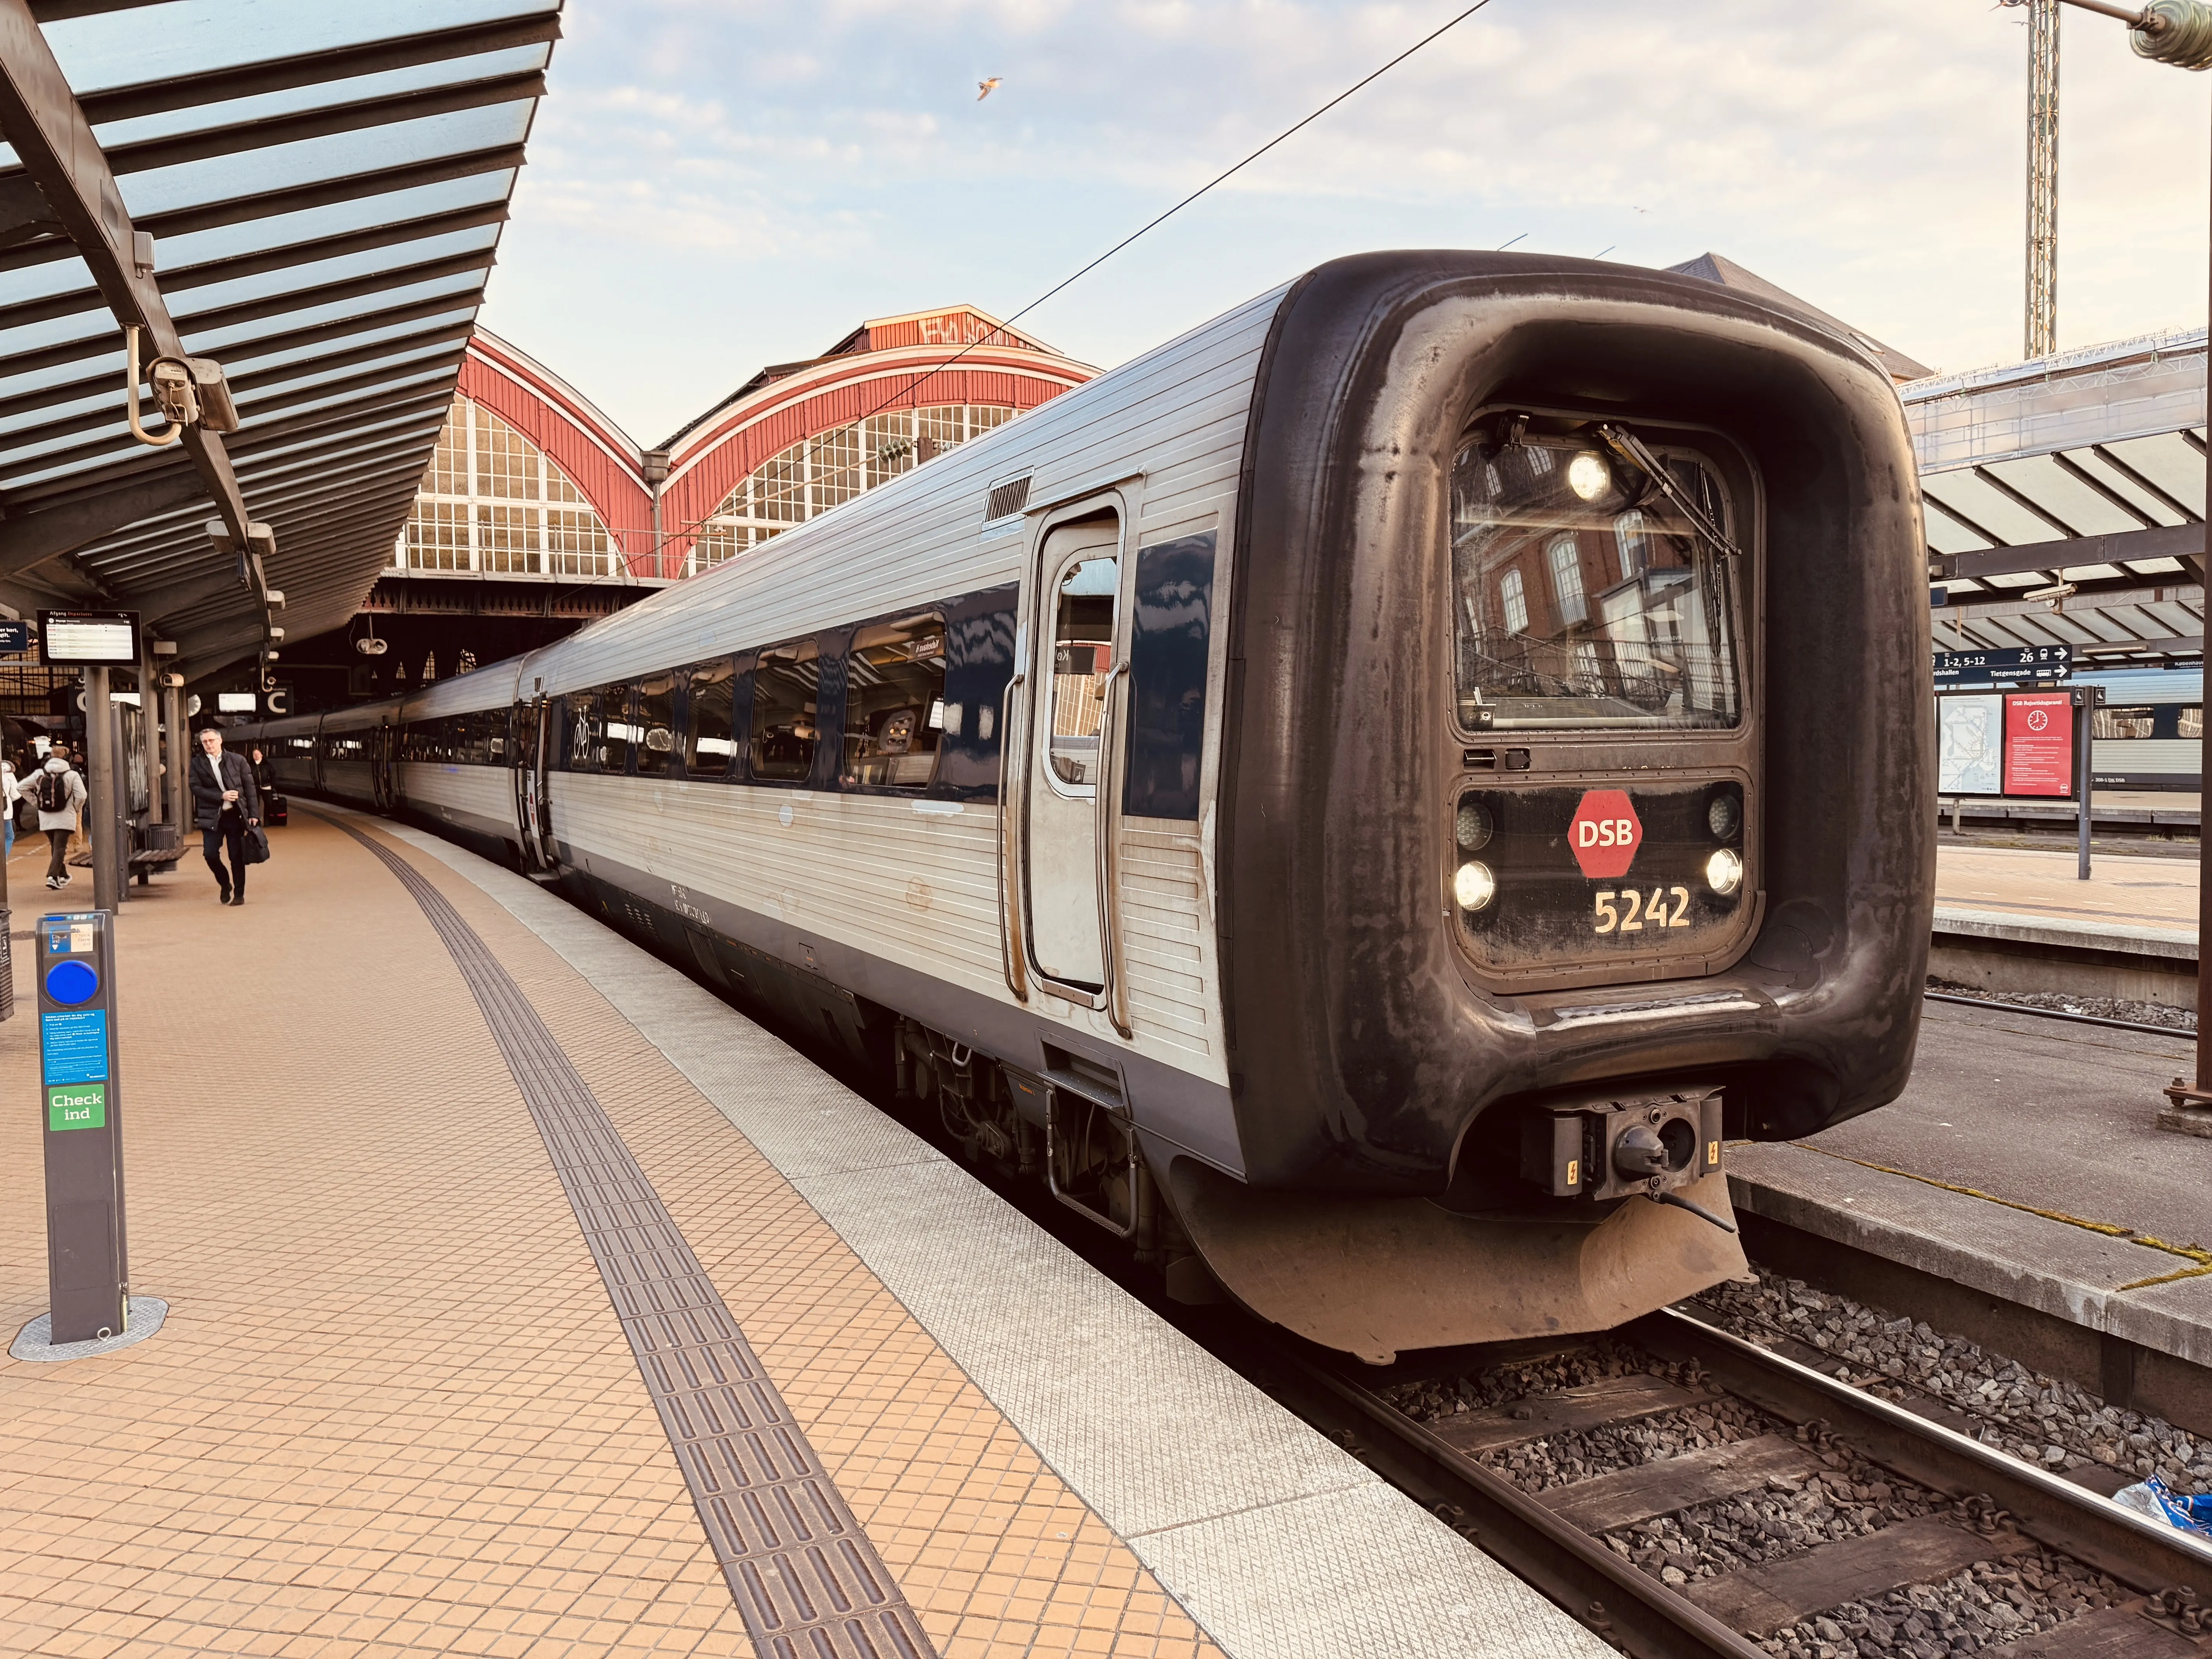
<point x="1007" y="498"/>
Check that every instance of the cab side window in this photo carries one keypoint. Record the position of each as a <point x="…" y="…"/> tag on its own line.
<point x="710" y="737"/>
<point x="895" y="703"/>
<point x="786" y="687"/>
<point x="655" y="723"/>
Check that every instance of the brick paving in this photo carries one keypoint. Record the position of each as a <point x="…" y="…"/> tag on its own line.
<point x="392" y="1411"/>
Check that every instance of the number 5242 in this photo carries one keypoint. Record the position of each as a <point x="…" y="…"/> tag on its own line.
<point x="1639" y="911"/>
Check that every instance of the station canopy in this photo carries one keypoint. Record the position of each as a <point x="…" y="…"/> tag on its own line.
<point x="308" y="193"/>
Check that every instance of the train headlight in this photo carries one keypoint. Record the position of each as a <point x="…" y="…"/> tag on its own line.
<point x="1471" y="826"/>
<point x="1588" y="475"/>
<point x="1724" y="873"/>
<point x="1473" y="885"/>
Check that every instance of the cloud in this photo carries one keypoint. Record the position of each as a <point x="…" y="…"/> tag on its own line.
<point x="758" y="176"/>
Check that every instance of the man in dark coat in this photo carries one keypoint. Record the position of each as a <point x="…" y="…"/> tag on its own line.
<point x="225" y="799"/>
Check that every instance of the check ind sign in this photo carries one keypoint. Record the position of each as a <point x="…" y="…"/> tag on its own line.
<point x="77" y="1106"/>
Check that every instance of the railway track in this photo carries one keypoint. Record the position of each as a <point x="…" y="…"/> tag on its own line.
<point x="1962" y="1505"/>
<point x="1972" y="1002"/>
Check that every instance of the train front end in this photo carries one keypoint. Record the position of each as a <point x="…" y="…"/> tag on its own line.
<point x="1576" y="790"/>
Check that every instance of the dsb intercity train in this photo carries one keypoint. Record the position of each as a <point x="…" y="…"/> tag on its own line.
<point x="1364" y="801"/>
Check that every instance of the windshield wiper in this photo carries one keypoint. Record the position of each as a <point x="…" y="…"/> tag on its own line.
<point x="1631" y="448"/>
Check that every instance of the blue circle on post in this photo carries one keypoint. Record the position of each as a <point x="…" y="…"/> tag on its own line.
<point x="71" y="982"/>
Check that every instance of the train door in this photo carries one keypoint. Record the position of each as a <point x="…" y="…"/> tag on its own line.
<point x="1068" y="749"/>
<point x="532" y="738"/>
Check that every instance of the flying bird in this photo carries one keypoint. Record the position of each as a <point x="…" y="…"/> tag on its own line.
<point x="985" y="89"/>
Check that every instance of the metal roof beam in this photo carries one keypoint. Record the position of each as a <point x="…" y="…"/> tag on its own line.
<point x="35" y="538"/>
<point x="296" y="198"/>
<point x="2167" y="542"/>
<point x="180" y="278"/>
<point x="254" y="310"/>
<point x="40" y="118"/>
<point x="318" y="68"/>
<point x="148" y="154"/>
<point x="360" y="323"/>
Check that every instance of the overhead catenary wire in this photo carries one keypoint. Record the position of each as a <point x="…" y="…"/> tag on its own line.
<point x="907" y="391"/>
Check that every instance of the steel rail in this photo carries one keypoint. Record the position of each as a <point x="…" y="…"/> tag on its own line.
<point x="1636" y="1611"/>
<point x="1966" y="1000"/>
<point x="2133" y="1548"/>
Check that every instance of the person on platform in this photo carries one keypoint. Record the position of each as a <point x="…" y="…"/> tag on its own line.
<point x="224" y="801"/>
<point x="11" y="790"/>
<point x="60" y="793"/>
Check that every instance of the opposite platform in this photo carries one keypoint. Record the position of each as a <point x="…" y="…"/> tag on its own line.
<point x="394" y="1408"/>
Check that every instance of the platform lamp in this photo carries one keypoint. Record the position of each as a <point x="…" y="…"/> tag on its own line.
<point x="2179" y="32"/>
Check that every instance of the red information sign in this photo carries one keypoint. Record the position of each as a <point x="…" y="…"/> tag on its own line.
<point x="2039" y="743"/>
<point x="1605" y="833"/>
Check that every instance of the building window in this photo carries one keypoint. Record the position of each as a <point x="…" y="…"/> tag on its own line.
<point x="1633" y="538"/>
<point x="492" y="502"/>
<point x="811" y="477"/>
<point x="1567" y="579"/>
<point x="1515" y="602"/>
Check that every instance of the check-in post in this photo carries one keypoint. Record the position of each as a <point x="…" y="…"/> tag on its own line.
<point x="87" y="1264"/>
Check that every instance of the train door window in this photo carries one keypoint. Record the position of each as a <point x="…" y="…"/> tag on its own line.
<point x="655" y="708"/>
<point x="710" y="732"/>
<point x="588" y="737"/>
<point x="2111" y="723"/>
<point x="1082" y="656"/>
<point x="787" y="684"/>
<point x="895" y="703"/>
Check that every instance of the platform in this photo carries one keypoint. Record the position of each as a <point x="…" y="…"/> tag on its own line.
<point x="394" y="1408"/>
<point x="2021" y="1169"/>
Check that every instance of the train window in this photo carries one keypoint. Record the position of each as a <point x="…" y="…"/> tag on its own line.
<point x="1170" y="629"/>
<point x="2190" y="722"/>
<point x="785" y="684"/>
<point x="710" y="734"/>
<point x="495" y="734"/>
<point x="895" y="703"/>
<point x="2124" y="723"/>
<point x="587" y="737"/>
<point x="655" y="708"/>
<point x="1082" y="656"/>
<point x="621" y="728"/>
<point x="1586" y="595"/>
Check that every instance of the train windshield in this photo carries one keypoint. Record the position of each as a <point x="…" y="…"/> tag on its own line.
<point x="1589" y="592"/>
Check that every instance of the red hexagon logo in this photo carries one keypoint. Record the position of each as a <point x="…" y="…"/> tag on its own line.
<point x="1605" y="833"/>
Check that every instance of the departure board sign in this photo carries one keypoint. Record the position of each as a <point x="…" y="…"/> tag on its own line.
<point x="2039" y="743"/>
<point x="2026" y="662"/>
<point x="89" y="639"/>
<point x="234" y="702"/>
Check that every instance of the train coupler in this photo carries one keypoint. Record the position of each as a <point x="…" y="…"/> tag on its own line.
<point x="1618" y="1148"/>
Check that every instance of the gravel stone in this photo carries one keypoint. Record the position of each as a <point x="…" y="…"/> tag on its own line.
<point x="2037" y="1419"/>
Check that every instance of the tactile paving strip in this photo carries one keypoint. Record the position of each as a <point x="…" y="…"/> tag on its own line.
<point x="805" y="1579"/>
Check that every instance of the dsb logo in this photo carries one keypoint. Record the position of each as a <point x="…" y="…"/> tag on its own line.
<point x="1604" y="834"/>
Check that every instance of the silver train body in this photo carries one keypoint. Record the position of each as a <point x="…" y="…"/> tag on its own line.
<point x="1097" y="782"/>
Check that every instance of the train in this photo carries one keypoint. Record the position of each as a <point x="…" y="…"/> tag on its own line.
<point x="2149" y="732"/>
<point x="1363" y="802"/>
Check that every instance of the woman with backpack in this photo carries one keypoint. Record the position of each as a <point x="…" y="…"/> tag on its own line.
<point x="60" y="793"/>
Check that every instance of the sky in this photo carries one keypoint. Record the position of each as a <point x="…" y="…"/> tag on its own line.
<point x="714" y="185"/>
